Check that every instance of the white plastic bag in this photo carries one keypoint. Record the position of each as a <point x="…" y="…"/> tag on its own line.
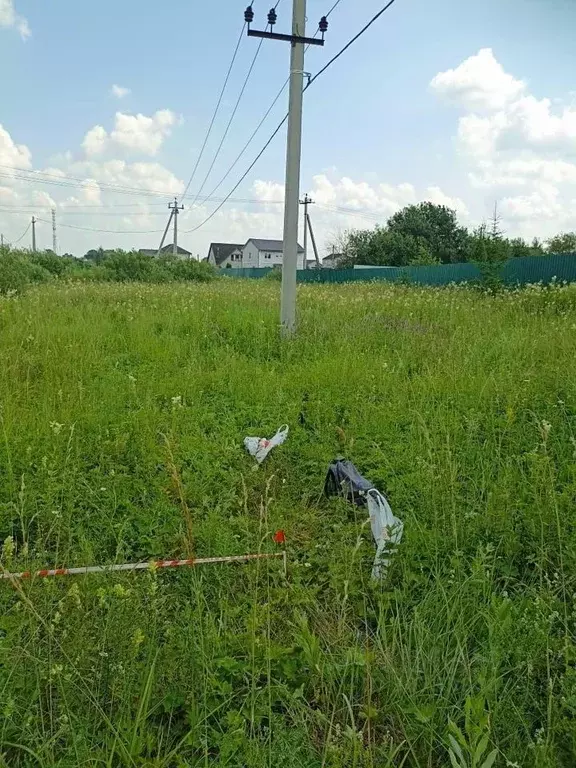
<point x="260" y="447"/>
<point x="386" y="529"/>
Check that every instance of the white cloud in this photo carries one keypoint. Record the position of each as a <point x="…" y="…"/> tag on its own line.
<point x="479" y="83"/>
<point x="10" y="19"/>
<point x="95" y="141"/>
<point x="515" y="144"/>
<point x="436" y="195"/>
<point x="146" y="176"/>
<point x="136" y="133"/>
<point x="91" y="192"/>
<point x="119" y="91"/>
<point x="141" y="133"/>
<point x="12" y="154"/>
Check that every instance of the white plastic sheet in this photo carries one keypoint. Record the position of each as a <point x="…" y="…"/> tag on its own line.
<point x="386" y="529"/>
<point x="260" y="447"/>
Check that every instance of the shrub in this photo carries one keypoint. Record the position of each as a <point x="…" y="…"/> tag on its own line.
<point x="199" y="271"/>
<point x="51" y="262"/>
<point x="275" y="275"/>
<point x="17" y="271"/>
<point x="131" y="266"/>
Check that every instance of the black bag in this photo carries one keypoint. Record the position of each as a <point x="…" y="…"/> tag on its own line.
<point x="343" y="479"/>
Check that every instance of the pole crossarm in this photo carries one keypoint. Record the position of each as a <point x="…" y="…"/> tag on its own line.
<point x="285" y="38"/>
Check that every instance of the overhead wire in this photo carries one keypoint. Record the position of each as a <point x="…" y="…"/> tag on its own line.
<point x="96" y="210"/>
<point x="23" y="235"/>
<point x="108" y="231"/>
<point x="68" y="181"/>
<point x="351" y="42"/>
<point x="227" y="129"/>
<point x="218" y="103"/>
<point x="285" y="118"/>
<point x="71" y="183"/>
<point x="263" y="119"/>
<point x="234" y="111"/>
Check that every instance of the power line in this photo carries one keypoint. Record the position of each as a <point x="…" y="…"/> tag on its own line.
<point x="209" y="131"/>
<point x="270" y="108"/>
<point x="336" y="4"/>
<point x="350" y="42"/>
<point x="71" y="183"/>
<point x="24" y="235"/>
<point x="232" y="116"/>
<point x="350" y="212"/>
<point x="132" y="214"/>
<point x="235" y="187"/>
<point x="285" y="118"/>
<point x="108" y="231"/>
<point x="245" y="147"/>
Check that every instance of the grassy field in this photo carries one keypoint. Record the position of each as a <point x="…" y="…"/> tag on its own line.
<point x="122" y="414"/>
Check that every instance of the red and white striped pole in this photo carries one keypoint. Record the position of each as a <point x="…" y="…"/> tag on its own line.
<point x="147" y="566"/>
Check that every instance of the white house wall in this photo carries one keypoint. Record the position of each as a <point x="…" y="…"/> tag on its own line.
<point x="252" y="257"/>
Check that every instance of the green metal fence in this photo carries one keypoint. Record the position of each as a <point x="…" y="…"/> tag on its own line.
<point x="529" y="269"/>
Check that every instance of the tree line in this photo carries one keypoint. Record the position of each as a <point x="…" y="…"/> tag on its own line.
<point x="429" y="234"/>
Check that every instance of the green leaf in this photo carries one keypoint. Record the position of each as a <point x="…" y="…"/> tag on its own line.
<point x="480" y="749"/>
<point x="489" y="762"/>
<point x="455" y="763"/>
<point x="456" y="747"/>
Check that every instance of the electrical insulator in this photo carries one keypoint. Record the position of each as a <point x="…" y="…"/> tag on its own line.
<point x="272" y="17"/>
<point x="323" y="26"/>
<point x="249" y="15"/>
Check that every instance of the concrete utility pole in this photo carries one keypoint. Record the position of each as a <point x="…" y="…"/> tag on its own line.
<point x="293" y="152"/>
<point x="297" y="40"/>
<point x="316" y="256"/>
<point x="54" y="238"/>
<point x="175" y="208"/>
<point x="306" y="202"/>
<point x="165" y="233"/>
<point x="33" y="234"/>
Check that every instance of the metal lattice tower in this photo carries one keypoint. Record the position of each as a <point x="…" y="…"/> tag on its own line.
<point x="54" y="237"/>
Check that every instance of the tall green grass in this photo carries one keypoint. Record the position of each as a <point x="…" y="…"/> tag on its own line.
<point x="122" y="414"/>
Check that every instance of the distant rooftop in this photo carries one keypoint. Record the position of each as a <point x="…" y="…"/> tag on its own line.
<point x="166" y="251"/>
<point x="223" y="250"/>
<point x="275" y="246"/>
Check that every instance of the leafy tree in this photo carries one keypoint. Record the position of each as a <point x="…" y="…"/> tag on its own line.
<point x="97" y="256"/>
<point x="487" y="246"/>
<point x="519" y="247"/>
<point x="56" y="265"/>
<point x="565" y="242"/>
<point x="436" y="227"/>
<point x="423" y="257"/>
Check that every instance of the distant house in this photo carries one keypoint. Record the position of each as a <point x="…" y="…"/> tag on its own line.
<point x="331" y="261"/>
<point x="225" y="255"/>
<point x="266" y="253"/>
<point x="182" y="254"/>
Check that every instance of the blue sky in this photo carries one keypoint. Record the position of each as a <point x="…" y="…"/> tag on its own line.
<point x="377" y="132"/>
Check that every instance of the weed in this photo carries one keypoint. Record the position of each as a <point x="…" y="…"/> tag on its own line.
<point x="122" y="413"/>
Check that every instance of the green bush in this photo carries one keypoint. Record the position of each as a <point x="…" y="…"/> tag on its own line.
<point x="199" y="271"/>
<point x="51" y="262"/>
<point x="21" y="268"/>
<point x="131" y="266"/>
<point x="17" y="271"/>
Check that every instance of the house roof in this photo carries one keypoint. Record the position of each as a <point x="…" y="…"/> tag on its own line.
<point x="271" y="245"/>
<point x="332" y="257"/>
<point x="223" y="250"/>
<point x="166" y="251"/>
